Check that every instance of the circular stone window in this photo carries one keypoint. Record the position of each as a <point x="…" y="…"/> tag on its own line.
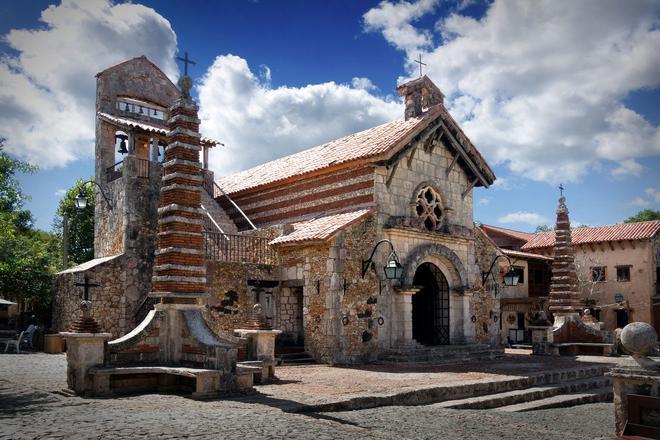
<point x="429" y="208"/>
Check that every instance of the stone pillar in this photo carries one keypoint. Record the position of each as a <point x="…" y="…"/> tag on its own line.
<point x="83" y="351"/>
<point x="564" y="295"/>
<point x="637" y="388"/>
<point x="402" y="333"/>
<point x="179" y="272"/>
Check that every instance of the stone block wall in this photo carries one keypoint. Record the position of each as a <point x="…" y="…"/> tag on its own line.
<point x="395" y="199"/>
<point x="229" y="294"/>
<point x="114" y="302"/>
<point x="340" y="308"/>
<point x="290" y="318"/>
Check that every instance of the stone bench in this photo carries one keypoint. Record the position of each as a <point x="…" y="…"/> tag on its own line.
<point x="261" y="371"/>
<point x="204" y="383"/>
<point x="572" y="347"/>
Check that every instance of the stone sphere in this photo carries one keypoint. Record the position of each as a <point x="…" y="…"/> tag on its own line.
<point x="639" y="338"/>
<point x="185" y="83"/>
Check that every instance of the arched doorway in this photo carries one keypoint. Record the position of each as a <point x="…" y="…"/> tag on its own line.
<point x="430" y="306"/>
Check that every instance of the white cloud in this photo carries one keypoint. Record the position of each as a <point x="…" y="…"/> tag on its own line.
<point x="628" y="167"/>
<point x="501" y="183"/>
<point x="541" y="88"/>
<point x="394" y="20"/>
<point x="363" y="83"/>
<point x="638" y="201"/>
<point x="653" y="193"/>
<point x="483" y="201"/>
<point x="60" y="192"/>
<point x="259" y="123"/>
<point x="47" y="91"/>
<point x="530" y="218"/>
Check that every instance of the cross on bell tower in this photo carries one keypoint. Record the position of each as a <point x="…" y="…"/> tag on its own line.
<point x="561" y="190"/>
<point x="185" y="61"/>
<point x="420" y="64"/>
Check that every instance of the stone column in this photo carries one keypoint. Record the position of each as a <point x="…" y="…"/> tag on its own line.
<point x="83" y="352"/>
<point x="402" y="333"/>
<point x="179" y="272"/>
<point x="564" y="296"/>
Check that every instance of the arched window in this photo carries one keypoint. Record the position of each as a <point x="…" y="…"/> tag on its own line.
<point x="429" y="208"/>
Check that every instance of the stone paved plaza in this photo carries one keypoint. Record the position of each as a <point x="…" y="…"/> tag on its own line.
<point x="31" y="408"/>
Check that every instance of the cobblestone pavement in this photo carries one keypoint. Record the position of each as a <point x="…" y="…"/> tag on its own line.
<point x="29" y="408"/>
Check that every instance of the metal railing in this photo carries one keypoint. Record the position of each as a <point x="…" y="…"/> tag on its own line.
<point x="234" y="248"/>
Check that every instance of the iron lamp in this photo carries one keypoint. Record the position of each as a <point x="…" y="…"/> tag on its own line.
<point x="81" y="199"/>
<point x="511" y="277"/>
<point x="393" y="269"/>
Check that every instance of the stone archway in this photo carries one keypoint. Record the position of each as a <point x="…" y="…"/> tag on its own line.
<point x="456" y="274"/>
<point x="430" y="306"/>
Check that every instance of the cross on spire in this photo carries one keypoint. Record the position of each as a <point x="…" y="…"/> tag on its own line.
<point x="420" y="64"/>
<point x="561" y="190"/>
<point x="186" y="61"/>
<point x="86" y="285"/>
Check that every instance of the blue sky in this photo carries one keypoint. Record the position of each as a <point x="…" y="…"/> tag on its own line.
<point x="562" y="92"/>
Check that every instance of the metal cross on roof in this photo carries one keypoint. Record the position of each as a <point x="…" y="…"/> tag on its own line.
<point x="186" y="61"/>
<point x="561" y="190"/>
<point x="420" y="64"/>
<point x="86" y="285"/>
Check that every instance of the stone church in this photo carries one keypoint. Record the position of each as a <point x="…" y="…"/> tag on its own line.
<point x="296" y="234"/>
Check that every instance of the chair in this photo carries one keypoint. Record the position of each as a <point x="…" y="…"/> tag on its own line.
<point x="15" y="342"/>
<point x="27" y="337"/>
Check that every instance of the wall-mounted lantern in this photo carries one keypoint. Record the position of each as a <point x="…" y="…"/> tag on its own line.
<point x="393" y="269"/>
<point x="81" y="199"/>
<point x="511" y="277"/>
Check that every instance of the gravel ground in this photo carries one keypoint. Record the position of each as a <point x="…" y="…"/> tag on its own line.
<point x="29" y="408"/>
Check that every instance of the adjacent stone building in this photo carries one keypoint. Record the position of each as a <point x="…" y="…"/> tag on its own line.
<point x="293" y="234"/>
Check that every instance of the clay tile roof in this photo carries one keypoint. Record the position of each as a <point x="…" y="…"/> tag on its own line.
<point x="149" y="128"/>
<point x="321" y="228"/>
<point x="625" y="231"/>
<point x="377" y="143"/>
<point x="524" y="255"/>
<point x="517" y="234"/>
<point x="362" y="145"/>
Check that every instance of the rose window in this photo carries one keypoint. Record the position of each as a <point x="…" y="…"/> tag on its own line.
<point x="429" y="208"/>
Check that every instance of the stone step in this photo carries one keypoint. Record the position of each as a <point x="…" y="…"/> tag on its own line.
<point x="526" y="395"/>
<point x="296" y="358"/>
<point x="442" y="356"/>
<point x="562" y="401"/>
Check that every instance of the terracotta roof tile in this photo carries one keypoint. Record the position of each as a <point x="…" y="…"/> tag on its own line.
<point x="517" y="234"/>
<point x="524" y="255"/>
<point x="625" y="231"/>
<point x="149" y="128"/>
<point x="362" y="145"/>
<point x="321" y="228"/>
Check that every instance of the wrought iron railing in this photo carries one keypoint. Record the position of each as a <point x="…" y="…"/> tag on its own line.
<point x="114" y="172"/>
<point x="234" y="248"/>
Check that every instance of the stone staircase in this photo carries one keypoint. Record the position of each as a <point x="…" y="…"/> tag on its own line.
<point x="218" y="214"/>
<point x="440" y="354"/>
<point x="583" y="386"/>
<point x="293" y="356"/>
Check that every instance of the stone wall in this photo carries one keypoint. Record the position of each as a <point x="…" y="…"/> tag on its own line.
<point x="484" y="301"/>
<point x="340" y="308"/>
<point x="397" y="199"/>
<point x="230" y="298"/>
<point x="114" y="302"/>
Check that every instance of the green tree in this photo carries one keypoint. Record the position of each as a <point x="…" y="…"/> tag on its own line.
<point x="28" y="257"/>
<point x="543" y="228"/>
<point x="81" y="222"/>
<point x="11" y="196"/>
<point x="644" y="216"/>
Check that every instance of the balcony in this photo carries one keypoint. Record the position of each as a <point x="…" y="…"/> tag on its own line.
<point x="235" y="248"/>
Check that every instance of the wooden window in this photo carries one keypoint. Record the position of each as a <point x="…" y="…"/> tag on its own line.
<point x="623" y="273"/>
<point x="598" y="273"/>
